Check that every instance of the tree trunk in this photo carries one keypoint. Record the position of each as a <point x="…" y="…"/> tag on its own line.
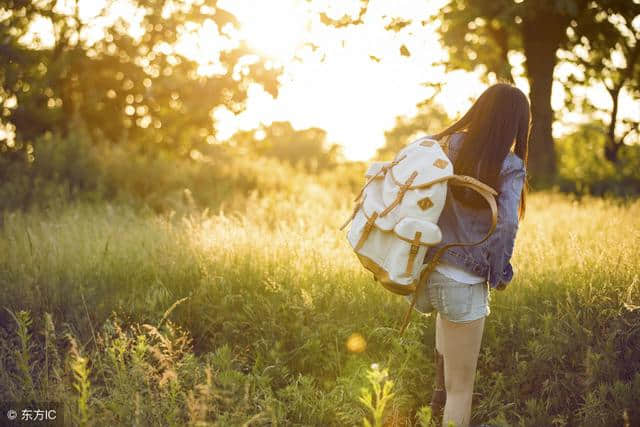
<point x="611" y="147"/>
<point x="541" y="39"/>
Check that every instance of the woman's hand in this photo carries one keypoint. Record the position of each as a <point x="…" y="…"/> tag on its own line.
<point x="501" y="286"/>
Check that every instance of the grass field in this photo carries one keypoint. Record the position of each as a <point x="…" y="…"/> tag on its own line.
<point x="242" y="317"/>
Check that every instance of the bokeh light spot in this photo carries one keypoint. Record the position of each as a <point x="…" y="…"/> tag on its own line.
<point x="356" y="343"/>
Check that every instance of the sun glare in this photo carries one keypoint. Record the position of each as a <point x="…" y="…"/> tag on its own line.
<point x="275" y="29"/>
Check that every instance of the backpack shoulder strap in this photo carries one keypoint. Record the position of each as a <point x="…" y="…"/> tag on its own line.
<point x="488" y="194"/>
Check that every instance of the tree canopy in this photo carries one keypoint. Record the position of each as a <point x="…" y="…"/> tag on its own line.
<point x="482" y="36"/>
<point x="122" y="85"/>
<point x="482" y="33"/>
<point x="607" y="53"/>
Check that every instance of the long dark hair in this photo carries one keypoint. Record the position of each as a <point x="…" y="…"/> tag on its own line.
<point x="498" y="117"/>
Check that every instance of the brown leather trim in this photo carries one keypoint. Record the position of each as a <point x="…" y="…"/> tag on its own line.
<point x="425" y="203"/>
<point x="423" y="185"/>
<point x="413" y="251"/>
<point x="353" y="214"/>
<point x="398" y="289"/>
<point x="420" y="283"/>
<point x="441" y="163"/>
<point x="403" y="189"/>
<point x="427" y="143"/>
<point x="367" y="229"/>
<point x="383" y="277"/>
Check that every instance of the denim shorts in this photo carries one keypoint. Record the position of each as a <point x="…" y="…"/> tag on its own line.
<point x="455" y="301"/>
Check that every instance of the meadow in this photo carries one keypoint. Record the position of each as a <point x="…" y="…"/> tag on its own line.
<point x="242" y="314"/>
<point x="173" y="175"/>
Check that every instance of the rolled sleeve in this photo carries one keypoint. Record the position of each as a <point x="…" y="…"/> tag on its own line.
<point x="502" y="240"/>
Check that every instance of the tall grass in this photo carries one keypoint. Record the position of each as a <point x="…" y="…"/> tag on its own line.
<point x="273" y="293"/>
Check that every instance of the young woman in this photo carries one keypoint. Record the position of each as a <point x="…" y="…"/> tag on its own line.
<point x="490" y="143"/>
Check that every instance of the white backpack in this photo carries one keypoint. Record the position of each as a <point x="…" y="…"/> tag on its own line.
<point x="395" y="219"/>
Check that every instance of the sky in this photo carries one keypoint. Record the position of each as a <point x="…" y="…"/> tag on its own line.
<point x="339" y="87"/>
<point x="354" y="98"/>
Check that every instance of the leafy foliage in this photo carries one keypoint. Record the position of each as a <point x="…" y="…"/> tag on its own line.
<point x="121" y="87"/>
<point x="482" y="34"/>
<point x="607" y="53"/>
<point x="584" y="168"/>
<point x="75" y="168"/>
<point x="382" y="395"/>
<point x="307" y="148"/>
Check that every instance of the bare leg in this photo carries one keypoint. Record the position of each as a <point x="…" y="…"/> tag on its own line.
<point x="459" y="343"/>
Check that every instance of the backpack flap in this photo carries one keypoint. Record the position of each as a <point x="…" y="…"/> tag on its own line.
<point x="375" y="170"/>
<point x="408" y="227"/>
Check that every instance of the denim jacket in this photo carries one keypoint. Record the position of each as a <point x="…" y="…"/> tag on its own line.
<point x="460" y="223"/>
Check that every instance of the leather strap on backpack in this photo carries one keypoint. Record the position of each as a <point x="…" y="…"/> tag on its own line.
<point x="488" y="194"/>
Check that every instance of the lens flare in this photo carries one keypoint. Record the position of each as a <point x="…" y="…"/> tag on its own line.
<point x="356" y="343"/>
